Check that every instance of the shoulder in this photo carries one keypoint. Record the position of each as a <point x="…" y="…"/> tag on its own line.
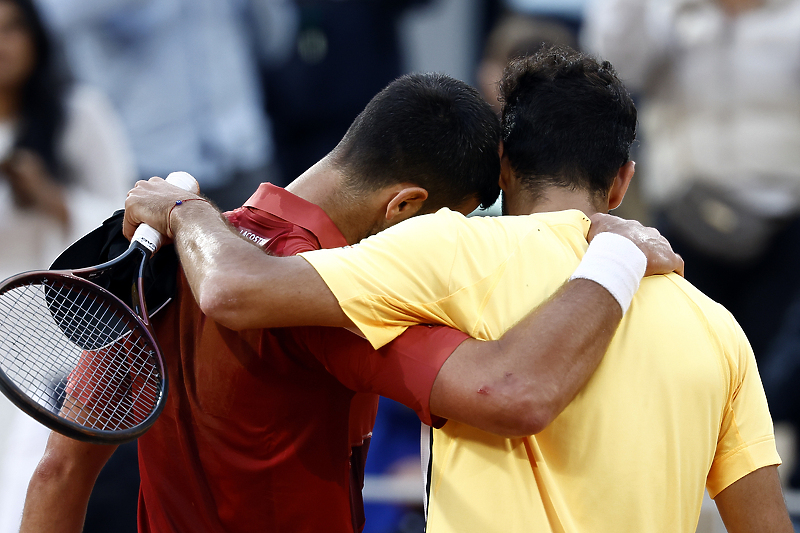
<point x="680" y="304"/>
<point x="271" y="233"/>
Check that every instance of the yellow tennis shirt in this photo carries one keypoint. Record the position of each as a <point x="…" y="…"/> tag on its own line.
<point x="676" y="406"/>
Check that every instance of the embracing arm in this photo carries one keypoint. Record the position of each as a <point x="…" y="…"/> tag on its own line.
<point x="518" y="384"/>
<point x="233" y="282"/>
<point x="59" y="491"/>
<point x="513" y="386"/>
<point x="240" y="287"/>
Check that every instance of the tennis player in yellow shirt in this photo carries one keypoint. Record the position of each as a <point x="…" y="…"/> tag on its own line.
<point x="675" y="408"/>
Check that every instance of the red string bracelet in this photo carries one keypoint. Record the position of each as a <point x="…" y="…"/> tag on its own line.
<point x="177" y="203"/>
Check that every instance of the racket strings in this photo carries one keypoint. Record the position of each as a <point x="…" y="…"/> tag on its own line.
<point x="120" y="398"/>
<point x="32" y="375"/>
<point x="73" y="355"/>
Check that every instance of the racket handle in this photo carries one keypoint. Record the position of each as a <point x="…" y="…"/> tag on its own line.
<point x="147" y="236"/>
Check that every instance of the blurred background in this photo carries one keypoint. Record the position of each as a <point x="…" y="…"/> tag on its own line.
<point x="95" y="94"/>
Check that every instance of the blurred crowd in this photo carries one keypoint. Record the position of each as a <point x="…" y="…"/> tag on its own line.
<point x="95" y="94"/>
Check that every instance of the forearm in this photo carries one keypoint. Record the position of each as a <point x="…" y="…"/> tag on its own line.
<point x="59" y="491"/>
<point x="517" y="385"/>
<point x="573" y="331"/>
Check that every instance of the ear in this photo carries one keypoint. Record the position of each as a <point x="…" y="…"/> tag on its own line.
<point x="406" y="202"/>
<point x="621" y="183"/>
<point x="507" y="179"/>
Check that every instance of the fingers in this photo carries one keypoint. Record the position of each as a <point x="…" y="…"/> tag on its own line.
<point x="602" y="222"/>
<point x="661" y="259"/>
<point x="150" y="202"/>
<point x="129" y="221"/>
<point x="146" y="203"/>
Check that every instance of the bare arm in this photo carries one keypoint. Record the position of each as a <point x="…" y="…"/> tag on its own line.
<point x="240" y="287"/>
<point x="59" y="491"/>
<point x="234" y="283"/>
<point x="518" y="384"/>
<point x="754" y="504"/>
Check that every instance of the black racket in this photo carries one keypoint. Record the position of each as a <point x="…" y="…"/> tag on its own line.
<point x="74" y="356"/>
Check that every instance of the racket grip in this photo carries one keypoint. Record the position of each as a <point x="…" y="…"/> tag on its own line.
<point x="147" y="236"/>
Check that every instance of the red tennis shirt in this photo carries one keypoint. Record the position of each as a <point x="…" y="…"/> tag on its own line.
<point x="266" y="430"/>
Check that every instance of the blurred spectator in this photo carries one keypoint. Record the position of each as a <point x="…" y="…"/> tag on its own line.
<point x="345" y="51"/>
<point x="65" y="165"/>
<point x="183" y="75"/>
<point x="516" y="35"/>
<point x="719" y="82"/>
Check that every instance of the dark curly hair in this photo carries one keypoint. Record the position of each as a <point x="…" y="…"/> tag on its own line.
<point x="567" y="120"/>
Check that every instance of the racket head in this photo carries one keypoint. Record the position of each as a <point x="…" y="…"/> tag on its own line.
<point x="77" y="359"/>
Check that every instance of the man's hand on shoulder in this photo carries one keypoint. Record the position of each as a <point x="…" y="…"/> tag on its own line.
<point x="660" y="257"/>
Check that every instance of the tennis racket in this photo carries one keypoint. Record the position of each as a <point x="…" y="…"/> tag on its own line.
<point x="74" y="356"/>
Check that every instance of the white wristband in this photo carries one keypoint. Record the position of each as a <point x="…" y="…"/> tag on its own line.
<point x="615" y="263"/>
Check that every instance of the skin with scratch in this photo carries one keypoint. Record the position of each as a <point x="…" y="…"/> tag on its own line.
<point x="516" y="396"/>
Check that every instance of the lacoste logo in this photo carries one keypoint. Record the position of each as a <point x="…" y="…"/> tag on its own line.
<point x="260" y="241"/>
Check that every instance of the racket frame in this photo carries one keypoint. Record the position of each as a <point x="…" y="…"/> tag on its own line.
<point x="139" y="314"/>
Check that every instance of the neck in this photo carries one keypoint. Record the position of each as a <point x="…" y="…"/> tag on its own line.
<point x="551" y="199"/>
<point x="324" y="185"/>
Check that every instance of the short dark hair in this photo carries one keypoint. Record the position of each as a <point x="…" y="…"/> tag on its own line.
<point x="567" y="120"/>
<point x="428" y="129"/>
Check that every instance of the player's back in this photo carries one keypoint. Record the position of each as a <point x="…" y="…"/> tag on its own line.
<point x="675" y="401"/>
